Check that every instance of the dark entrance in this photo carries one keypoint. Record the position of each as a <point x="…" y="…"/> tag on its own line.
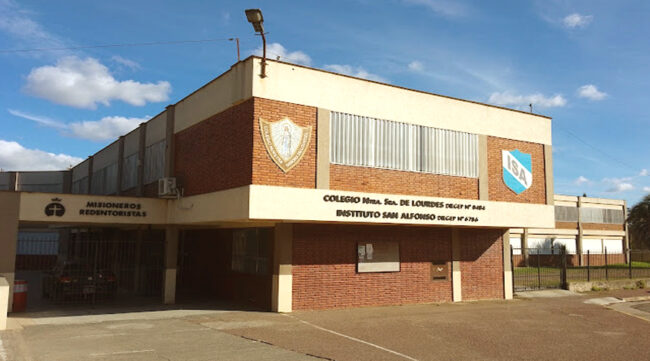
<point x="229" y="265"/>
<point x="90" y="266"/>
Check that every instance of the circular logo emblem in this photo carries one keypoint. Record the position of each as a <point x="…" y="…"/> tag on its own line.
<point x="54" y="209"/>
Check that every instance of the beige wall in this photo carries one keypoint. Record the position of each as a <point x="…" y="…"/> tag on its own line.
<point x="80" y="171"/>
<point x="298" y="204"/>
<point x="220" y="94"/>
<point x="131" y="142"/>
<point x="156" y="129"/>
<point x="297" y="84"/>
<point x="106" y="156"/>
<point x="32" y="209"/>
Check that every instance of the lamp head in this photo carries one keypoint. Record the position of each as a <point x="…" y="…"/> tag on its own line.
<point x="255" y="17"/>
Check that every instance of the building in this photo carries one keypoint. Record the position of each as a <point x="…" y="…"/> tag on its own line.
<point x="303" y="189"/>
<point x="584" y="226"/>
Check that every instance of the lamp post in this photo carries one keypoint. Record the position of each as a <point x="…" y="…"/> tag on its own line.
<point x="255" y="17"/>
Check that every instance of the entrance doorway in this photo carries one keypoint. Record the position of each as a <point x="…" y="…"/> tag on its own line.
<point x="90" y="266"/>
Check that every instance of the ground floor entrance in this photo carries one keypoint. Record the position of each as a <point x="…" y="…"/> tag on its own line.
<point x="70" y="266"/>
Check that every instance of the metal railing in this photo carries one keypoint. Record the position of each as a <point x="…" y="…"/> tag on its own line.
<point x="541" y="268"/>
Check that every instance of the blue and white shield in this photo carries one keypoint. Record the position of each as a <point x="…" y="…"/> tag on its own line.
<point x="517" y="170"/>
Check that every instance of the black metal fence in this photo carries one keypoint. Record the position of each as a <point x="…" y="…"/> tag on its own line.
<point x="542" y="268"/>
<point x="91" y="266"/>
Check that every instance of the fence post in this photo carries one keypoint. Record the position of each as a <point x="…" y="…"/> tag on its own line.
<point x="588" y="267"/>
<point x="539" y="272"/>
<point x="606" y="266"/>
<point x="629" y="261"/>
<point x="565" y="284"/>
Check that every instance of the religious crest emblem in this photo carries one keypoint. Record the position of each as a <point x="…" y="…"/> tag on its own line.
<point x="55" y="208"/>
<point x="285" y="141"/>
<point x="517" y="170"/>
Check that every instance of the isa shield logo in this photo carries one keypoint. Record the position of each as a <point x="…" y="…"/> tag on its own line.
<point x="517" y="170"/>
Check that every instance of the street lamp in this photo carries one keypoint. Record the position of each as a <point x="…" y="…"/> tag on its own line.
<point x="255" y="17"/>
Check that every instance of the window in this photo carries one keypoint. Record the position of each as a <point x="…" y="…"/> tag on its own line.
<point x="377" y="143"/>
<point x="130" y="171"/>
<point x="602" y="215"/>
<point x="566" y="214"/>
<point x="378" y="256"/>
<point x="251" y="250"/>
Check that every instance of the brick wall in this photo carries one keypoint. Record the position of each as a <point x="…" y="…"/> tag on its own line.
<point x="361" y="179"/>
<point x="603" y="226"/>
<point x="216" y="153"/>
<point x="265" y="171"/>
<point x="325" y="258"/>
<point x="481" y="264"/>
<point x="566" y="225"/>
<point x="498" y="191"/>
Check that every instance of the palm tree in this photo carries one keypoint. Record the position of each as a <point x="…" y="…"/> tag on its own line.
<point x="639" y="223"/>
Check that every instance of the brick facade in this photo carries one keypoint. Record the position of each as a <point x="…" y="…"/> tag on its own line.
<point x="265" y="171"/>
<point x="361" y="179"/>
<point x="566" y="225"/>
<point x="481" y="263"/>
<point x="498" y="191"/>
<point x="325" y="261"/>
<point x="216" y="154"/>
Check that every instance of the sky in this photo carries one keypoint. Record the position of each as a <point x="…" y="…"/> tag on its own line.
<point x="586" y="64"/>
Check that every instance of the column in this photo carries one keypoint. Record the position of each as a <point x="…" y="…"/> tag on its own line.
<point x="10" y="202"/>
<point x="507" y="266"/>
<point x="171" y="258"/>
<point x="323" y="149"/>
<point x="456" y="284"/>
<point x="524" y="246"/>
<point x="282" y="290"/>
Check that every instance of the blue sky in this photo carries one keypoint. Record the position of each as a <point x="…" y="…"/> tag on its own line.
<point x="584" y="63"/>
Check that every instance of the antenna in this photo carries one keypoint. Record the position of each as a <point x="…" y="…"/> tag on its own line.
<point x="531" y="107"/>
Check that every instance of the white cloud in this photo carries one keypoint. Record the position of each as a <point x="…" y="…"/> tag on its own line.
<point x="522" y="101"/>
<point x="591" y="92"/>
<point x="441" y="7"/>
<point x="576" y="20"/>
<point x="48" y="122"/>
<point x="581" y="180"/>
<point x="16" y="22"/>
<point x="646" y="189"/>
<point x="355" y="71"/>
<point x="619" y="184"/>
<point x="14" y="156"/>
<point x="83" y="83"/>
<point x="416" y="66"/>
<point x="107" y="128"/>
<point x="126" y="62"/>
<point x="643" y="173"/>
<point x="275" y="50"/>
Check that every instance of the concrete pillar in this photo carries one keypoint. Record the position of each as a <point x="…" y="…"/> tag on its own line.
<point x="282" y="291"/>
<point x="169" y="141"/>
<point x="9" y="213"/>
<point x="507" y="267"/>
<point x="524" y="246"/>
<point x="456" y="282"/>
<point x="171" y="258"/>
<point x="90" y="175"/>
<point x="120" y="164"/>
<point x="141" y="148"/>
<point x="580" y="234"/>
<point x="483" y="174"/>
<point x="548" y="168"/>
<point x="323" y="149"/>
<point x="4" y="303"/>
